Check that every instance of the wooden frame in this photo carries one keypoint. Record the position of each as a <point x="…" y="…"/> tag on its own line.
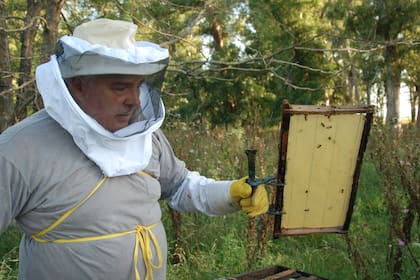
<point x="320" y="157"/>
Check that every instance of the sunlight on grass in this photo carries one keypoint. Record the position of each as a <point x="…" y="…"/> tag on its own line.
<point x="217" y="247"/>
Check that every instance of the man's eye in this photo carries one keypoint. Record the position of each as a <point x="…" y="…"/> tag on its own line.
<point x="119" y="88"/>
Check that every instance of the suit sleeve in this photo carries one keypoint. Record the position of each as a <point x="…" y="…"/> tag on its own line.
<point x="189" y="191"/>
<point x="13" y="193"/>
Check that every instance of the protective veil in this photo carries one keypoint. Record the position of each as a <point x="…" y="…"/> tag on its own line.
<point x="106" y="47"/>
<point x="120" y="153"/>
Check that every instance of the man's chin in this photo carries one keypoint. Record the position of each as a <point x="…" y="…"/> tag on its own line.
<point x="122" y="120"/>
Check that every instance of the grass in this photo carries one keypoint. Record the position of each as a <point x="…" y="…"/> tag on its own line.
<point x="218" y="247"/>
<point x="361" y="254"/>
<point x="9" y="242"/>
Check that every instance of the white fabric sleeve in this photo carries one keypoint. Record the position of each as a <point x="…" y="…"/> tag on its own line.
<point x="200" y="194"/>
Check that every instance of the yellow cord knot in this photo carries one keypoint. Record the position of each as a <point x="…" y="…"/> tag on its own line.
<point x="145" y="238"/>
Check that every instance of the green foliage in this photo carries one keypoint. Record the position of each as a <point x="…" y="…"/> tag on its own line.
<point x="396" y="156"/>
<point x="231" y="59"/>
<point x="9" y="252"/>
<point x="218" y="247"/>
<point x="360" y="255"/>
<point x="298" y="73"/>
<point x="382" y="28"/>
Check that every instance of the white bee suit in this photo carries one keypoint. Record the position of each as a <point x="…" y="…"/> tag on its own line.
<point x="52" y="160"/>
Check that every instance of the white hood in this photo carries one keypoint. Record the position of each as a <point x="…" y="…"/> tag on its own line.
<point x="123" y="152"/>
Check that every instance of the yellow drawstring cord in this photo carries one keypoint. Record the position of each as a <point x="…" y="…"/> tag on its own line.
<point x="71" y="211"/>
<point x="144" y="236"/>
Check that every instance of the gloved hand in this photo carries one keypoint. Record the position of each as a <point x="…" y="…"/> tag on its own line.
<point x="254" y="205"/>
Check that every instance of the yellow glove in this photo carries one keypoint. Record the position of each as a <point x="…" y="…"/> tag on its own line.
<point x="254" y="205"/>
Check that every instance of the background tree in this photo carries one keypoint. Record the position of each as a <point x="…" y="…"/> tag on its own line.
<point x="25" y="81"/>
<point x="51" y="33"/>
<point x="411" y="77"/>
<point x="289" y="34"/>
<point x="233" y="62"/>
<point x="6" y="102"/>
<point x="384" y="24"/>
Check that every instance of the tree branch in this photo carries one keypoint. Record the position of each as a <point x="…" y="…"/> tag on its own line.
<point x="23" y="85"/>
<point x="30" y="25"/>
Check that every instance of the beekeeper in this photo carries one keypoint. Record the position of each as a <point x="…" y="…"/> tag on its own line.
<point x="83" y="177"/>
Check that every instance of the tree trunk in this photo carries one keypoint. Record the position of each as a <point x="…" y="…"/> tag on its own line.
<point x="392" y="85"/>
<point x="368" y="93"/>
<point x="417" y="93"/>
<point x="353" y="84"/>
<point x="413" y="101"/>
<point x="26" y="93"/>
<point x="350" y="86"/>
<point x="50" y="35"/>
<point x="392" y="91"/>
<point x="6" y="100"/>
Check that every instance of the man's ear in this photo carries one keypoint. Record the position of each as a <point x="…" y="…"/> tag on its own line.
<point x="75" y="85"/>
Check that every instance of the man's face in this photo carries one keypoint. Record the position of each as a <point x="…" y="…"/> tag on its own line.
<point x="110" y="99"/>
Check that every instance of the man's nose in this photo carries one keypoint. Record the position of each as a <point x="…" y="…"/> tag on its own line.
<point x="133" y="97"/>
